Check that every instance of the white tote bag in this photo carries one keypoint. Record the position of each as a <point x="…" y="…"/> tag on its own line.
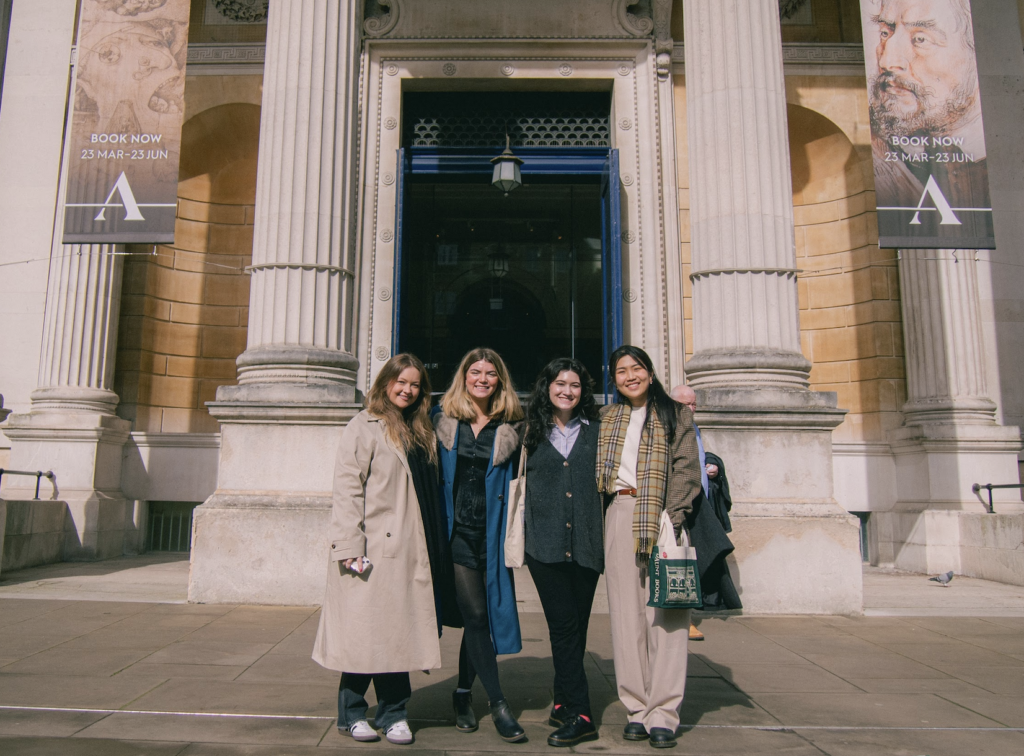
<point x="515" y="525"/>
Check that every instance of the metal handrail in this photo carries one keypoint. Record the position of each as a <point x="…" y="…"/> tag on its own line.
<point x="38" y="475"/>
<point x="988" y="487"/>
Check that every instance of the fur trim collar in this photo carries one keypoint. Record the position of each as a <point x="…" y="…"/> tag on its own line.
<point x="506" y="437"/>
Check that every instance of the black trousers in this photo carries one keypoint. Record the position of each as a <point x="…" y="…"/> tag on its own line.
<point x="566" y="592"/>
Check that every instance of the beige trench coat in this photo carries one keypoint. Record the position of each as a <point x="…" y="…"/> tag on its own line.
<point x="383" y="620"/>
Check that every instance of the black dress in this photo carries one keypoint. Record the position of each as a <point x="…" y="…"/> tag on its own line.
<point x="469" y="531"/>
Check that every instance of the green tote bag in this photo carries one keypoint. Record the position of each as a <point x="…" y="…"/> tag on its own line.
<point x="674" y="580"/>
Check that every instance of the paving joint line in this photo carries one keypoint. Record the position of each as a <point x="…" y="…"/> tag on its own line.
<point x="310" y="717"/>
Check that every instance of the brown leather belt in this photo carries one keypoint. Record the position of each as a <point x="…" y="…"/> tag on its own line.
<point x="626" y="492"/>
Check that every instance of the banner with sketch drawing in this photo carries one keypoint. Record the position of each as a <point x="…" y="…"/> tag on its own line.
<point x="928" y="144"/>
<point x="128" y="104"/>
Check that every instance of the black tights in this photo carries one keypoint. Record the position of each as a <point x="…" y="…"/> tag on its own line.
<point x="476" y="657"/>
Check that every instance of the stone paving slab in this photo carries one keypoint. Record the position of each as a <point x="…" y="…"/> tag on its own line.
<point x="139" y="677"/>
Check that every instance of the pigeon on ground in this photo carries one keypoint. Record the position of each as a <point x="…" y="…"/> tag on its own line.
<point x="943" y="579"/>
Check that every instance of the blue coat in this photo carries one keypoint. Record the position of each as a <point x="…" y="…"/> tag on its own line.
<point x="501" y="594"/>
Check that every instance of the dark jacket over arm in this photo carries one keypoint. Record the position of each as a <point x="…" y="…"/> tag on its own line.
<point x="684" y="470"/>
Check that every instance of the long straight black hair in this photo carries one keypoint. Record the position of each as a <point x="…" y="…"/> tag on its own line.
<point x="541" y="411"/>
<point x="657" y="398"/>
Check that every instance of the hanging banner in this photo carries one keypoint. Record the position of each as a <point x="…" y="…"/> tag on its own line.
<point x="928" y="144"/>
<point x="125" y="143"/>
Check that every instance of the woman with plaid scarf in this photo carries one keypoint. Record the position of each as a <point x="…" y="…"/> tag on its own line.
<point x="647" y="462"/>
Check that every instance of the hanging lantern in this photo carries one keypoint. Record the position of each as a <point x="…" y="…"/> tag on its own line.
<point x="497" y="263"/>
<point x="507" y="175"/>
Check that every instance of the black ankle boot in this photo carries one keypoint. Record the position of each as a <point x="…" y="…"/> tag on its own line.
<point x="506" y="725"/>
<point x="465" y="719"/>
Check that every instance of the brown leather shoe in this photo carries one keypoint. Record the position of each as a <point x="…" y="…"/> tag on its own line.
<point x="695" y="634"/>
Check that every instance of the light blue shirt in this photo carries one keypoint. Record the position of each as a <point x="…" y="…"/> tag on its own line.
<point x="703" y="465"/>
<point x="563" y="440"/>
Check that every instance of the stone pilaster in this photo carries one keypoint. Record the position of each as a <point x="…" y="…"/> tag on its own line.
<point x="950" y="439"/>
<point x="797" y="550"/>
<point x="71" y="428"/>
<point x="261" y="537"/>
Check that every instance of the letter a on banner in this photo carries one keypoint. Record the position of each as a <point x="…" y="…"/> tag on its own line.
<point x="946" y="214"/>
<point x="128" y="105"/>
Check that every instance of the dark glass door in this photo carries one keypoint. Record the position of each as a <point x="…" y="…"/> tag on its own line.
<point x="521" y="274"/>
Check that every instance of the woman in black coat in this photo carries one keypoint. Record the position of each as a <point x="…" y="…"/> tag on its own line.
<point x="564" y="531"/>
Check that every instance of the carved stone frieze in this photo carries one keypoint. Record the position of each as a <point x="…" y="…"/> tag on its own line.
<point x="789" y="7"/>
<point x="244" y="11"/>
<point x="662" y="13"/>
<point x="380" y="17"/>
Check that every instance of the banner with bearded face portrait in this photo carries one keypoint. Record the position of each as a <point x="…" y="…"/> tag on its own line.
<point x="128" y="105"/>
<point x="928" y="143"/>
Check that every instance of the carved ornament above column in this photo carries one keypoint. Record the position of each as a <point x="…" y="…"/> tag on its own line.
<point x="635" y="18"/>
<point x="380" y="17"/>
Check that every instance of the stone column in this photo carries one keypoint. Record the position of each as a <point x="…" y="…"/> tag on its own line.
<point x="259" y="538"/>
<point x="797" y="550"/>
<point x="950" y="439"/>
<point x="71" y="428"/>
<point x="746" y="328"/>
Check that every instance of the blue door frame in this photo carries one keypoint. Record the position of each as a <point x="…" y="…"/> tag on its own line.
<point x="537" y="161"/>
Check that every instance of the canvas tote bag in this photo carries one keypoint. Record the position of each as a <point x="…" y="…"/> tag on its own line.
<point x="515" y="525"/>
<point x="674" y="580"/>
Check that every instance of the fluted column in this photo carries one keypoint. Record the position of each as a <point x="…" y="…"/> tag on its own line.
<point x="300" y="339"/>
<point x="76" y="362"/>
<point x="942" y="329"/>
<point x="260" y="537"/>
<point x="746" y="329"/>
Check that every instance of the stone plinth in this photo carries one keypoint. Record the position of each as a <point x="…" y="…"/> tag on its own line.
<point x="262" y="537"/>
<point x="797" y="550"/>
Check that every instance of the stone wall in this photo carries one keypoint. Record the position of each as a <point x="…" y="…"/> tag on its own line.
<point x="185" y="308"/>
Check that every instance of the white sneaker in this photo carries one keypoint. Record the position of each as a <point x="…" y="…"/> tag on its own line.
<point x="399" y="733"/>
<point x="361" y="731"/>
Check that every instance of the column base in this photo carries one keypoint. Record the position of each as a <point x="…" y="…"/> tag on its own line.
<point x="748" y="368"/>
<point x="262" y="537"/>
<point x="797" y="550"/>
<point x="938" y="522"/>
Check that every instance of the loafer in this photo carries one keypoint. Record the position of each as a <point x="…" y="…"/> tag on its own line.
<point x="506" y="725"/>
<point x="465" y="719"/>
<point x="360" y="731"/>
<point x="634" y="731"/>
<point x="695" y="634"/>
<point x="399" y="733"/>
<point x="575" y="730"/>
<point x="662" y="737"/>
<point x="557" y="716"/>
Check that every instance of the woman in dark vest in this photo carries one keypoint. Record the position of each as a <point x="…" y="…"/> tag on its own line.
<point x="564" y="544"/>
<point x="478" y="432"/>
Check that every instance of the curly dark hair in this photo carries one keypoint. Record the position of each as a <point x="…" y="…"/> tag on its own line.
<point x="540" y="417"/>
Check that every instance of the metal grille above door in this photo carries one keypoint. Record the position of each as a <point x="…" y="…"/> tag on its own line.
<point x="532" y="119"/>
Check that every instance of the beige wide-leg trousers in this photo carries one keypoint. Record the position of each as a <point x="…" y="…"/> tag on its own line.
<point x="650" y="645"/>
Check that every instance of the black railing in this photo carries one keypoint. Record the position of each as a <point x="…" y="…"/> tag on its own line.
<point x="977" y="487"/>
<point x="38" y="475"/>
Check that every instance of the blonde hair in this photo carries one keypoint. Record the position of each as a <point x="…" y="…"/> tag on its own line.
<point x="504" y="405"/>
<point x="410" y="427"/>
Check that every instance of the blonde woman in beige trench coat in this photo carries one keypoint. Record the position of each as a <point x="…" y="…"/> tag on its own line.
<point x="380" y="624"/>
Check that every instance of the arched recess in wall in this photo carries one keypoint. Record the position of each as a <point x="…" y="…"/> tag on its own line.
<point x="851" y="327"/>
<point x="185" y="309"/>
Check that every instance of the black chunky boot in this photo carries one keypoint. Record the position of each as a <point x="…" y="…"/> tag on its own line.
<point x="465" y="719"/>
<point x="506" y="725"/>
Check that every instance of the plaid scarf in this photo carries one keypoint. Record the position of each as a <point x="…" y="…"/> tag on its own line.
<point x="651" y="470"/>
